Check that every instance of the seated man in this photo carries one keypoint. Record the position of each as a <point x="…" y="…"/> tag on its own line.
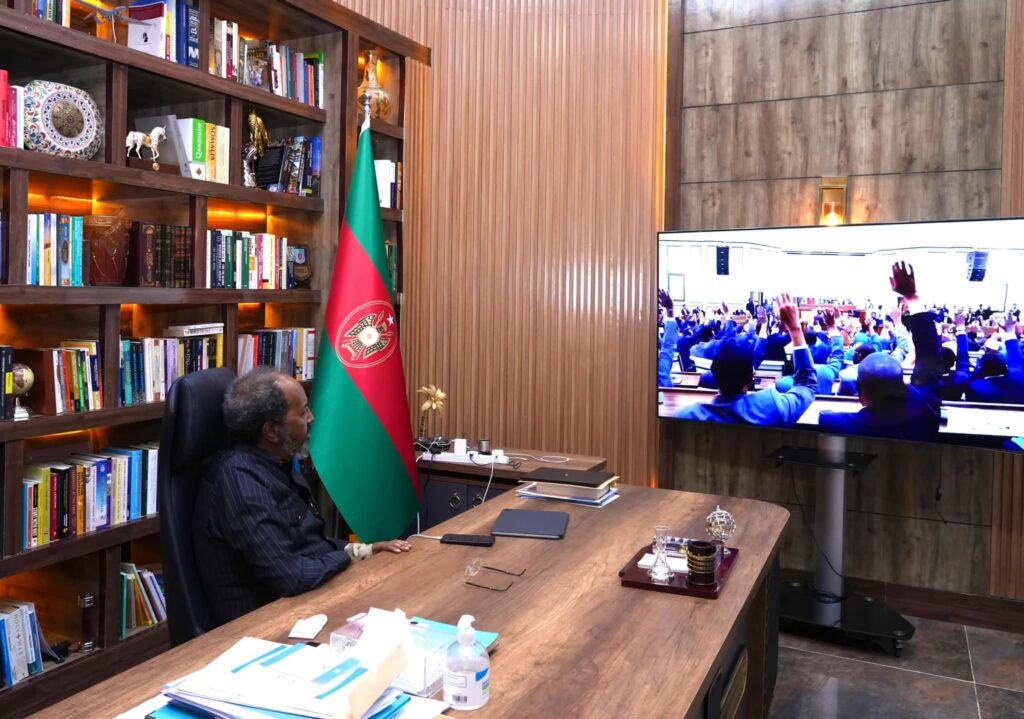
<point x="893" y="409"/>
<point x="256" y="528"/>
<point x="733" y="370"/>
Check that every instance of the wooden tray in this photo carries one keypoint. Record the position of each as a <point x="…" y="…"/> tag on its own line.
<point x="632" y="576"/>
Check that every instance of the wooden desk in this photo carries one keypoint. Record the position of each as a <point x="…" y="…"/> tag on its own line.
<point x="573" y="641"/>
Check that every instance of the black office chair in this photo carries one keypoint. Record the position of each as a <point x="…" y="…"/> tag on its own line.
<point x="191" y="433"/>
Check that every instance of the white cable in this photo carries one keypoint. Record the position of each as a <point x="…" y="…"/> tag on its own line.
<point x="551" y="458"/>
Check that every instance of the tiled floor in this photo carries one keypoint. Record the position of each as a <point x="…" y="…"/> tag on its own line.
<point x="947" y="671"/>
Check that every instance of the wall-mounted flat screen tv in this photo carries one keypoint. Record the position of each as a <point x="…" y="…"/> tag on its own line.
<point x="906" y="331"/>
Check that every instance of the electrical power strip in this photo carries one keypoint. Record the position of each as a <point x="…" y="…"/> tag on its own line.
<point x="480" y="460"/>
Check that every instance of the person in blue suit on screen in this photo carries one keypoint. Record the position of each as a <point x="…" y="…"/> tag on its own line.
<point x="733" y="370"/>
<point x="891" y="407"/>
<point x="999" y="379"/>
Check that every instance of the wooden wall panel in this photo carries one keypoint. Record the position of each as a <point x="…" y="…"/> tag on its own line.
<point x="704" y="15"/>
<point x="887" y="49"/>
<point x="1008" y="483"/>
<point x="1008" y="527"/>
<point x="922" y="130"/>
<point x="892" y="513"/>
<point x="1013" y="112"/>
<point x="873" y="198"/>
<point x="537" y="186"/>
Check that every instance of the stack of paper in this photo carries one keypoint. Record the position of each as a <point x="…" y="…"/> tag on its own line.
<point x="256" y="678"/>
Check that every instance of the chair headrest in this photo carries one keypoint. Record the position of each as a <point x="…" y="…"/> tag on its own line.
<point x="195" y="416"/>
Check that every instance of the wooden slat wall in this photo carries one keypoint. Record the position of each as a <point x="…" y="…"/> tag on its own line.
<point x="908" y="99"/>
<point x="1008" y="483"/>
<point x="536" y="189"/>
<point x="903" y="98"/>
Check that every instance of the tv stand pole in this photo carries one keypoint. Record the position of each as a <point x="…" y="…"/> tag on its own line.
<point x="823" y="609"/>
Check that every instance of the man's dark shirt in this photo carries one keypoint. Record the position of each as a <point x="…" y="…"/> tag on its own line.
<point x="257" y="534"/>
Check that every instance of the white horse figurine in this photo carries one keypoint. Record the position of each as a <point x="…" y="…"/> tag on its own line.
<point x="137" y="140"/>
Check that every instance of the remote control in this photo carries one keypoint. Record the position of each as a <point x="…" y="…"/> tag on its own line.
<point x="473" y="540"/>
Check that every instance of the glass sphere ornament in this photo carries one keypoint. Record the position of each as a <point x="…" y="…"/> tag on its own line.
<point x="720" y="526"/>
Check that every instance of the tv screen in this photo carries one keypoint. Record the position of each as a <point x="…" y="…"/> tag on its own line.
<point x="905" y="331"/>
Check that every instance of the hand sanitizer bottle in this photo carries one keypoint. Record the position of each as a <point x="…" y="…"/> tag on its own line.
<point x="467" y="669"/>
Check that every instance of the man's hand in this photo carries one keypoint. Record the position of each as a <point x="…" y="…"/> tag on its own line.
<point x="394" y="545"/>
<point x="665" y="301"/>
<point x="1010" y="324"/>
<point x="903" y="281"/>
<point x="828" y="318"/>
<point x="762" y="317"/>
<point x="725" y="309"/>
<point x="959" y="321"/>
<point x="788" y="314"/>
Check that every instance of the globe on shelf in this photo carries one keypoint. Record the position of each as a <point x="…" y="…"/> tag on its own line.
<point x="720" y="526"/>
<point x="22" y="380"/>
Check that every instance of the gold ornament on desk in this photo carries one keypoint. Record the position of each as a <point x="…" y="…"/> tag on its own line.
<point x="720" y="526"/>
<point x="435" y="398"/>
<point x="371" y="91"/>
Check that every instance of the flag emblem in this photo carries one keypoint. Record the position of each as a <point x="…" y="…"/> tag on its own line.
<point x="367" y="336"/>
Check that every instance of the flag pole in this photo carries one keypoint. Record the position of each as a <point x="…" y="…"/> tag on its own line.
<point x="366" y="109"/>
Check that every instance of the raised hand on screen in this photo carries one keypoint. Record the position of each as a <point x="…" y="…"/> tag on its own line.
<point x="903" y="281"/>
<point x="665" y="301"/>
<point x="959" y="320"/>
<point x="789" y="316"/>
<point x="1010" y="324"/>
<point x="828" y="318"/>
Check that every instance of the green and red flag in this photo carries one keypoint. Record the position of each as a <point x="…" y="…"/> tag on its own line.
<point x="361" y="437"/>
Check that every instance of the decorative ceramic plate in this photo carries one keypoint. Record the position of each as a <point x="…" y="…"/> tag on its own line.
<point x="61" y="120"/>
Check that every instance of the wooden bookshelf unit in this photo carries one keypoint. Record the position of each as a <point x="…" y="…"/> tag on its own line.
<point x="128" y="84"/>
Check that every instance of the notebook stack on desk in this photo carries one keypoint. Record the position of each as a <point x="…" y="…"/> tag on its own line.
<point x="590" y="488"/>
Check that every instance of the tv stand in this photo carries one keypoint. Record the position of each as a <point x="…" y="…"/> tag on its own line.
<point x="822" y="609"/>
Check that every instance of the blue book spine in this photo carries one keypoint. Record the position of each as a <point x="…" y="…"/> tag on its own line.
<point x="5" y="654"/>
<point x="64" y="251"/>
<point x="103" y="494"/>
<point x="192" y="29"/>
<point x="77" y="255"/>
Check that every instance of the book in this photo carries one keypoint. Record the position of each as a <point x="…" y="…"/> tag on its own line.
<point x="576" y="477"/>
<point x="531" y="491"/>
<point x="193" y="133"/>
<point x="574" y="491"/>
<point x="148" y="32"/>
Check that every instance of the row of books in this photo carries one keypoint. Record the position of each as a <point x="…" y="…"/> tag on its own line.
<point x="241" y="260"/>
<point x="12" y="113"/>
<point x="21" y="642"/>
<point x="142" y="597"/>
<point x="67" y="378"/>
<point x="57" y="254"/>
<point x="148" y="366"/>
<point x="159" y="255"/>
<point x="389" y="183"/>
<point x="58" y="11"/>
<point x="165" y="28"/>
<point x="269" y="65"/>
<point x="200" y="149"/>
<point x="292" y="165"/>
<point x="291" y="350"/>
<point x="87" y="492"/>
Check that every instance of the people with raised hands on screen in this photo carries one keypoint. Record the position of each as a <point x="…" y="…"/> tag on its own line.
<point x="891" y="407"/>
<point x="733" y="371"/>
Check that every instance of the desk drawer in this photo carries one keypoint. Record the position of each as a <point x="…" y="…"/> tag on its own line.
<point x="444" y="500"/>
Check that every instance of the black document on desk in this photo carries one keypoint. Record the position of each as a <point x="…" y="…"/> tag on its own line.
<point x="533" y="523"/>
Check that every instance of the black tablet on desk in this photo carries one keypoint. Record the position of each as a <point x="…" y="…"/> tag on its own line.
<point x="532" y="523"/>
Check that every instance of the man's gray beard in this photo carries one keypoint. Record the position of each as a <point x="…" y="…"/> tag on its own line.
<point x="300" y="452"/>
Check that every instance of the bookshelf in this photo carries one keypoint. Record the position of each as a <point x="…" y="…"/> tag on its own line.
<point x="127" y="84"/>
